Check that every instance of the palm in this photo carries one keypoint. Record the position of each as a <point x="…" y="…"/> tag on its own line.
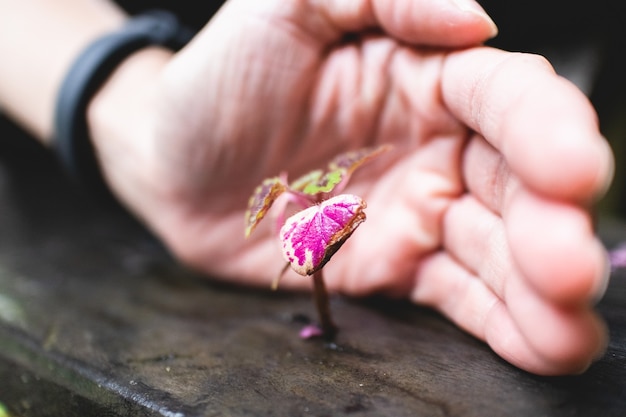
<point x="447" y="212"/>
<point x="297" y="110"/>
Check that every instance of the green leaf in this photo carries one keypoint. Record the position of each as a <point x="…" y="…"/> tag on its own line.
<point x="310" y="178"/>
<point x="261" y="200"/>
<point x="313" y="183"/>
<point x="339" y="170"/>
<point x="317" y="181"/>
<point x="325" y="184"/>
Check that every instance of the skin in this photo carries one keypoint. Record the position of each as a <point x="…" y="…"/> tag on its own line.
<point x="481" y="210"/>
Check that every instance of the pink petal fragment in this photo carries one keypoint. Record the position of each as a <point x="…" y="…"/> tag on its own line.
<point x="310" y="331"/>
<point x="311" y="236"/>
<point x="617" y="257"/>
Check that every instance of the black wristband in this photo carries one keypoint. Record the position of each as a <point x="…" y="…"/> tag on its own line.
<point x="89" y="72"/>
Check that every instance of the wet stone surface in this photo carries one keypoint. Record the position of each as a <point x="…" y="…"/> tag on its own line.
<point x="95" y="319"/>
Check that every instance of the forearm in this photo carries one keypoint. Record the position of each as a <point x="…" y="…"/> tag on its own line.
<point x="39" y="39"/>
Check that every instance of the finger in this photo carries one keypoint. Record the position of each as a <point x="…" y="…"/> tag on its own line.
<point x="451" y="289"/>
<point x="544" y="126"/>
<point x="486" y="174"/>
<point x="442" y="283"/>
<point x="555" y="247"/>
<point x="567" y="336"/>
<point x="504" y="337"/>
<point x="475" y="237"/>
<point x="553" y="243"/>
<point x="442" y="23"/>
<point x="433" y="22"/>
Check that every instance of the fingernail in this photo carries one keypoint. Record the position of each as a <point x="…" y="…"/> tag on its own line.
<point x="602" y="282"/>
<point x="473" y="7"/>
<point x="607" y="169"/>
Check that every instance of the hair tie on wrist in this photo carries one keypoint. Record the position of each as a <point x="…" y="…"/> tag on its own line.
<point x="89" y="72"/>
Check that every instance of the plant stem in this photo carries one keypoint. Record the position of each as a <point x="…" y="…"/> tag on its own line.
<point x="322" y="303"/>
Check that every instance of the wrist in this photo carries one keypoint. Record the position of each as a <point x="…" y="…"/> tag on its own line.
<point x="97" y="65"/>
<point x="120" y="121"/>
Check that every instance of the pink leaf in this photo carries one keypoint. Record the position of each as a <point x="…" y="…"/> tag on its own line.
<point x="311" y="236"/>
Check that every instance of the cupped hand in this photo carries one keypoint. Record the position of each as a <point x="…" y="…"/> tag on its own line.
<point x="481" y="210"/>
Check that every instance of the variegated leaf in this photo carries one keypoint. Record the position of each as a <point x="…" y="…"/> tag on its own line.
<point x="350" y="161"/>
<point x="261" y="200"/>
<point x="311" y="236"/>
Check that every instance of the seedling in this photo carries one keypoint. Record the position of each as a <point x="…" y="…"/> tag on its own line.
<point x="310" y="237"/>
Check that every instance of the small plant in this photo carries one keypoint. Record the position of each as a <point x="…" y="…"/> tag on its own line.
<point x="327" y="219"/>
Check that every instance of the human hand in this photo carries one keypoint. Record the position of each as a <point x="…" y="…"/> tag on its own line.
<point x="480" y="211"/>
